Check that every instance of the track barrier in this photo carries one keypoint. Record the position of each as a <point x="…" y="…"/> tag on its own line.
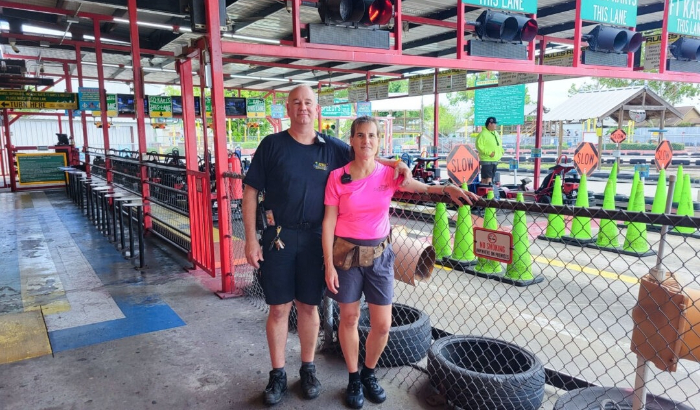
<point x="580" y="226"/>
<point x="555" y="222"/>
<point x="463" y="254"/>
<point x="441" y="232"/>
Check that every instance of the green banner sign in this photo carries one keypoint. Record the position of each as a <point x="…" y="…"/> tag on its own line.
<point x="507" y="104"/>
<point x="35" y="169"/>
<point x="614" y="12"/>
<point x="520" y="6"/>
<point x="684" y="17"/>
<point x="38" y="100"/>
<point x="255" y="107"/>
<point x="335" y="111"/>
<point x="160" y="106"/>
<point x="207" y="106"/>
<point x="111" y="106"/>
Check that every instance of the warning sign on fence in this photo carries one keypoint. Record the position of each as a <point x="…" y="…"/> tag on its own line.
<point x="494" y="245"/>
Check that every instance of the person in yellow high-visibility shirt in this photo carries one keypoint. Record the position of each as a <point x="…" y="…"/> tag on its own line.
<point x="490" y="148"/>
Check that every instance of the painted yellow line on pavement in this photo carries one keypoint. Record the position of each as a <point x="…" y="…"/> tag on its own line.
<point x="23" y="336"/>
<point x="591" y="271"/>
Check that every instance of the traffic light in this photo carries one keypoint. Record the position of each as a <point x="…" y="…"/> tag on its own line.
<point x="343" y="19"/>
<point x="505" y="27"/>
<point x="364" y="12"/>
<point x="502" y="35"/>
<point x="609" y="45"/>
<point x="686" y="52"/>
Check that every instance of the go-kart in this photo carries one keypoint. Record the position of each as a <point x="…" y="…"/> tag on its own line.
<point x="424" y="169"/>
<point x="570" y="183"/>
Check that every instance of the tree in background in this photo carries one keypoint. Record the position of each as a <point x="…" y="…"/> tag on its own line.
<point x="673" y="92"/>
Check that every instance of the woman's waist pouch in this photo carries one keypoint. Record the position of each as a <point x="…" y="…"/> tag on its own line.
<point x="347" y="254"/>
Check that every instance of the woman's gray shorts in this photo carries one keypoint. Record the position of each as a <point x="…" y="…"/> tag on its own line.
<point x="376" y="281"/>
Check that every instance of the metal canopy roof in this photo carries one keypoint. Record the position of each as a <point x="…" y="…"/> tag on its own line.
<point x="262" y="19"/>
<point x="607" y="103"/>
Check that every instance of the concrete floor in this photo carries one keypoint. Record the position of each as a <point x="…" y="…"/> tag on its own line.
<point x="207" y="354"/>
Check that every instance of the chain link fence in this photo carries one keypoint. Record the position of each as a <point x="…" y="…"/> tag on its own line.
<point x="561" y="316"/>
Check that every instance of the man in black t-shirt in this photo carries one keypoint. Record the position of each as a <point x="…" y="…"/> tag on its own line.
<point x="292" y="167"/>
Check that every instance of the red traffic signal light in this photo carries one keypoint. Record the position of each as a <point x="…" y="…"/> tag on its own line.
<point x="505" y="27"/>
<point x="608" y="39"/>
<point x="365" y="12"/>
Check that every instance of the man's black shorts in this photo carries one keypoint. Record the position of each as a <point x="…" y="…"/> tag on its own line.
<point x="295" y="272"/>
<point x="488" y="169"/>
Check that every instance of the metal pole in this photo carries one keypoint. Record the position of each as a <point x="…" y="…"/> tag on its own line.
<point x="103" y="98"/>
<point x="83" y="119"/>
<point x="640" y="389"/>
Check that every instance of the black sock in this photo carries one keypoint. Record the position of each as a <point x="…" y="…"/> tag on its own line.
<point x="352" y="377"/>
<point x="306" y="364"/>
<point x="280" y="369"/>
<point x="367" y="372"/>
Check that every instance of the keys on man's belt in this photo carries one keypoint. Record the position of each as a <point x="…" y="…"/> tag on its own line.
<point x="277" y="242"/>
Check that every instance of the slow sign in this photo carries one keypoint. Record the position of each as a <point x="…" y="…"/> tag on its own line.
<point x="664" y="155"/>
<point x="586" y="158"/>
<point x="618" y="136"/>
<point x="462" y="164"/>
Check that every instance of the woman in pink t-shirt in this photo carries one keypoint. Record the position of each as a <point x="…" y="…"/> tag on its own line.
<point x="357" y="201"/>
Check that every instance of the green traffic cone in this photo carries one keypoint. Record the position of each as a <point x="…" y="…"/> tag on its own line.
<point x="555" y="222"/>
<point x="484" y="265"/>
<point x="659" y="204"/>
<point x="633" y="192"/>
<point x="521" y="266"/>
<point x="581" y="226"/>
<point x="464" y="235"/>
<point x="685" y="206"/>
<point x="636" y="236"/>
<point x="608" y="232"/>
<point x="679" y="185"/>
<point x="441" y="232"/>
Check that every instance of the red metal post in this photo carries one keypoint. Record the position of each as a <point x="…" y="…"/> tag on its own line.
<point x="139" y="106"/>
<point x="296" y="23"/>
<point x="664" y="40"/>
<point x="398" y="27"/>
<point x="103" y="98"/>
<point x="83" y="119"/>
<point x="540" y="116"/>
<point x="460" y="29"/>
<point x="60" y="124"/>
<point x="577" y="40"/>
<point x="220" y="151"/>
<point x="10" y="151"/>
<point x="69" y="89"/>
<point x="3" y="183"/>
<point x="436" y="115"/>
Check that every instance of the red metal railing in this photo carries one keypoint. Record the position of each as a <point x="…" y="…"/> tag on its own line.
<point x="201" y="224"/>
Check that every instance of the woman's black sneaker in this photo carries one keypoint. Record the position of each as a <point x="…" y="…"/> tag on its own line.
<point x="353" y="395"/>
<point x="276" y="388"/>
<point x="374" y="391"/>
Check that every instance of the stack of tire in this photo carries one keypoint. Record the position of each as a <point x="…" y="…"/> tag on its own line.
<point x="480" y="373"/>
<point x="409" y="337"/>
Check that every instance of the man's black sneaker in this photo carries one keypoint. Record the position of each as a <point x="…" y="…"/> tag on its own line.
<point x="374" y="391"/>
<point x="353" y="395"/>
<point x="276" y="388"/>
<point x="310" y="386"/>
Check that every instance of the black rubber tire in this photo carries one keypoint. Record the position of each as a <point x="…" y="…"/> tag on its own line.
<point x="545" y="199"/>
<point x="409" y="337"/>
<point x="480" y="373"/>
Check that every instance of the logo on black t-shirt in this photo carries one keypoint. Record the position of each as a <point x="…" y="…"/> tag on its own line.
<point x="321" y="165"/>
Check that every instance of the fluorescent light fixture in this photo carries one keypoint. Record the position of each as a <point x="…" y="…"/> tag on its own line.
<point x="107" y="40"/>
<point x="72" y="20"/>
<point x="26" y="28"/>
<point x="153" y="25"/>
<point x="44" y="44"/>
<point x="281" y="80"/>
<point x="159" y="69"/>
<point x="248" y="38"/>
